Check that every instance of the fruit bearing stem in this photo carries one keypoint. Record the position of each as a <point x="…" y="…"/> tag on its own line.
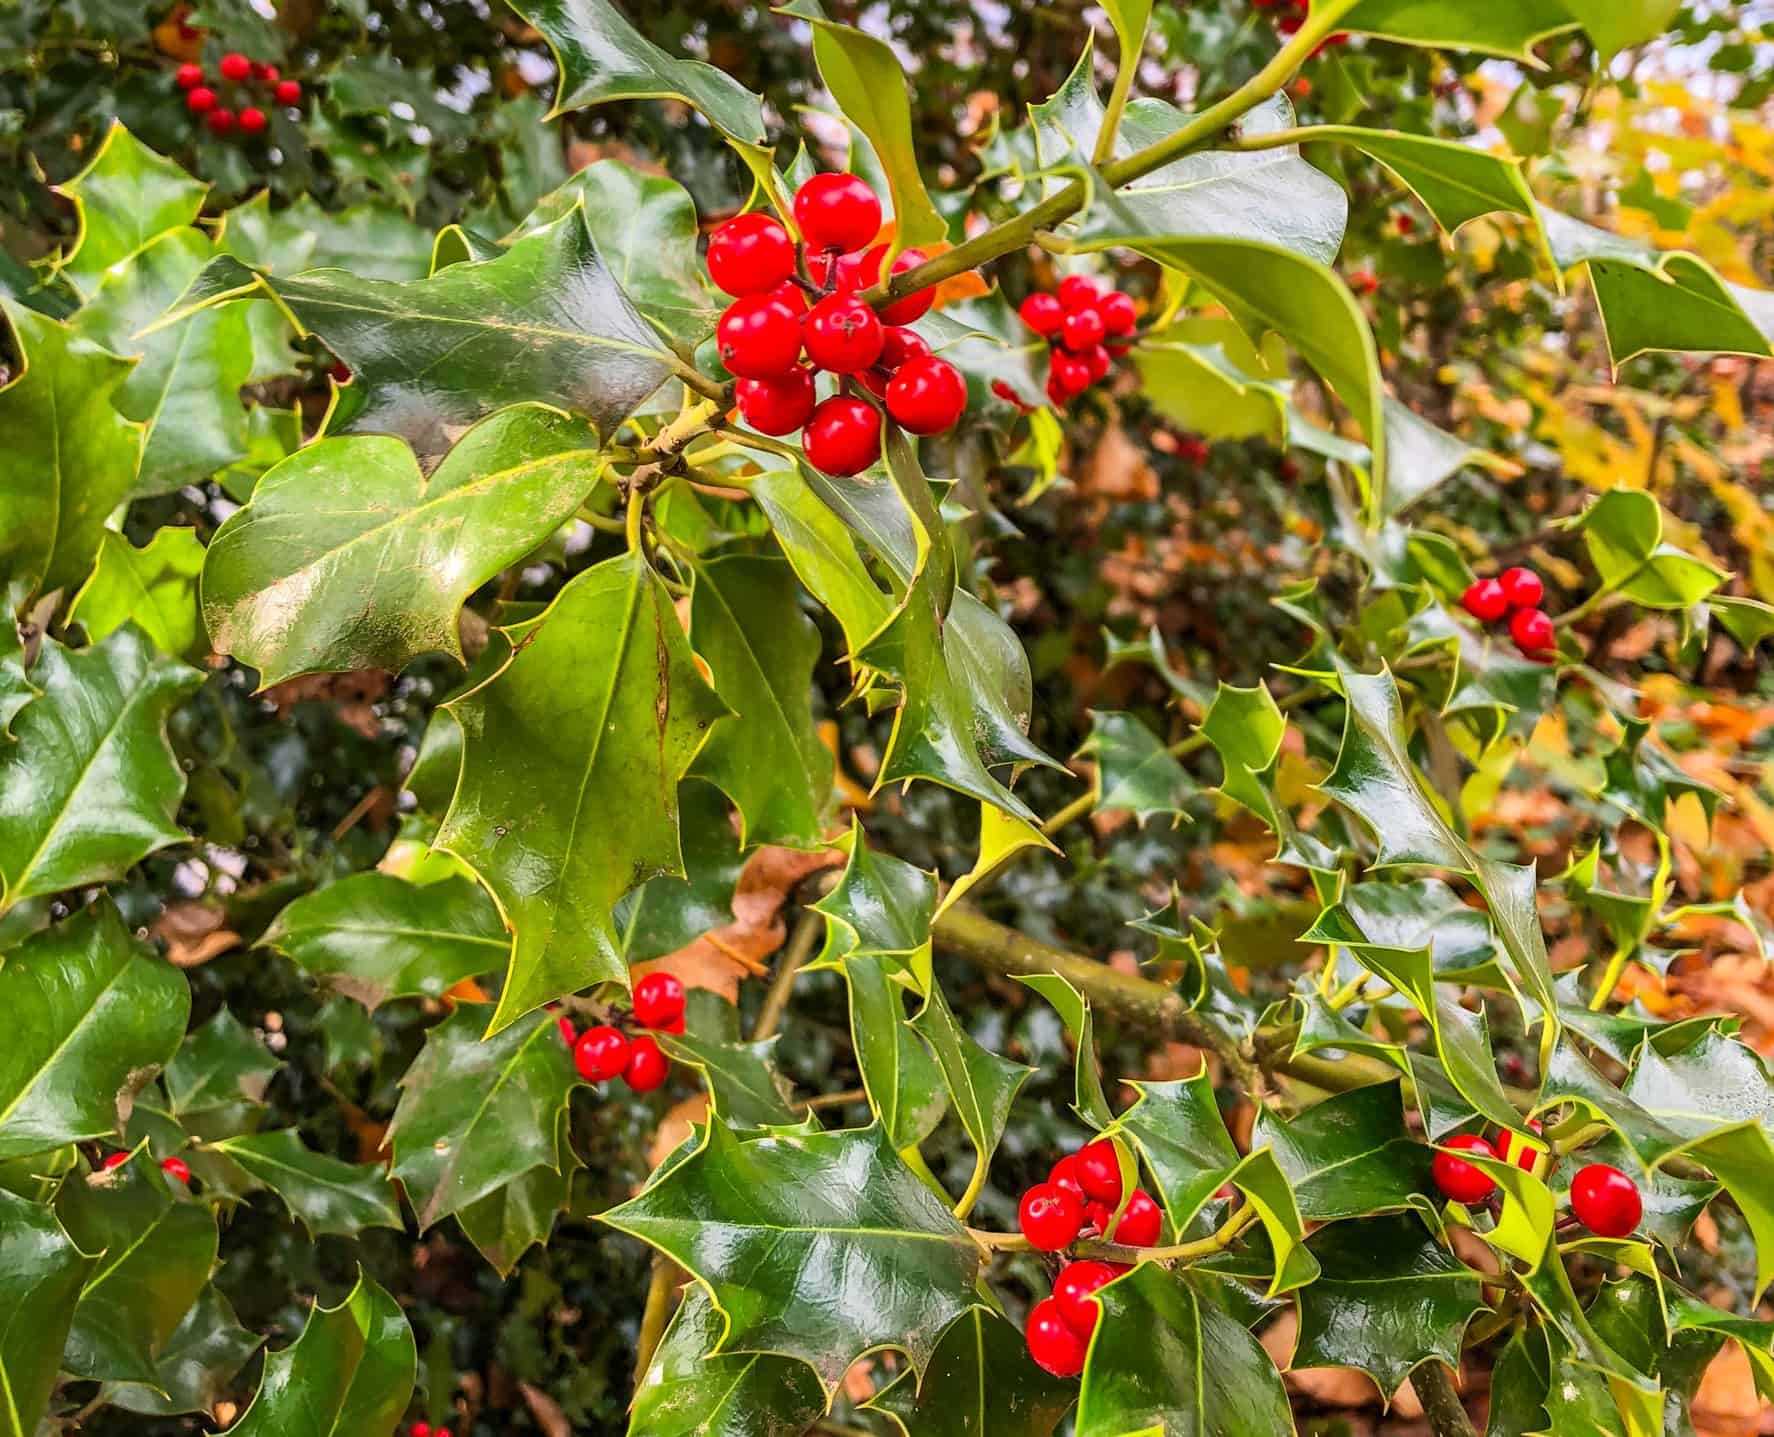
<point x="1218" y="1240"/>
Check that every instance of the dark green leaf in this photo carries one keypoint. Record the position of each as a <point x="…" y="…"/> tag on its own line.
<point x="41" y="1274"/>
<point x="218" y="1065"/>
<point x="509" y="1221"/>
<point x="1135" y="771"/>
<point x="666" y="914"/>
<point x="322" y="1193"/>
<point x="1349" y="1156"/>
<point x="196" y="1365"/>
<point x="1089" y="1101"/>
<point x="903" y="1082"/>
<point x="981" y="1380"/>
<point x="982" y="1085"/>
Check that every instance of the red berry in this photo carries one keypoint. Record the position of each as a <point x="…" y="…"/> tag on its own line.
<point x="1141" y="1223"/>
<point x="1096" y="362"/>
<point x="1364" y="281"/>
<point x="269" y="74"/>
<point x="837" y="212"/>
<point x="1192" y="449"/>
<point x="420" y="1429"/>
<point x="220" y="119"/>
<point x="176" y="1168"/>
<point x="1459" y="1179"/>
<point x="288" y="92"/>
<point x="1606" y="1201"/>
<point x="899" y="346"/>
<point x="1043" y="313"/>
<point x="750" y="254"/>
<point x="792" y="295"/>
<point x="1064" y="1174"/>
<point x="341" y="372"/>
<point x="236" y="67"/>
<point x="843" y="335"/>
<point x="1099" y="1171"/>
<point x="200" y="99"/>
<point x="1522" y="588"/>
<point x="1079" y="291"/>
<point x="1049" y="1217"/>
<point x="1081" y="329"/>
<point x="1097" y="1215"/>
<point x="189" y="76"/>
<point x="1118" y="313"/>
<point x="927" y="396"/>
<point x="780" y="405"/>
<point x="113" y="1160"/>
<point x="442" y="1432"/>
<point x="252" y="120"/>
<point x="1289" y="469"/>
<point x="648" y="1066"/>
<point x="844" y="436"/>
<point x="1532" y="632"/>
<point x="1485" y="601"/>
<point x="1052" y="1343"/>
<point x="1057" y="394"/>
<point x="1406" y="222"/>
<point x="759" y="337"/>
<point x="602" y="1054"/>
<point x="1068" y="373"/>
<point x="569" y="1034"/>
<point x="1072" y="1290"/>
<point x="914" y="305"/>
<point x="658" y="1000"/>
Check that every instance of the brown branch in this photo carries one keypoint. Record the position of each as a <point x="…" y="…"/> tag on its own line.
<point x="1434" y="1386"/>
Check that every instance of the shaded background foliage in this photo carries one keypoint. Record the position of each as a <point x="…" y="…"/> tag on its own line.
<point x="429" y="114"/>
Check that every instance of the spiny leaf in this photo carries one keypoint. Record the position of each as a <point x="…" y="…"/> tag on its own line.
<point x="154" y="587"/>
<point x="981" y="1379"/>
<point x="41" y="1274"/>
<point x="219" y="1065"/>
<point x="1135" y="772"/>
<point x="903" y="1082"/>
<point x="126" y="197"/>
<point x="196" y="1365"/>
<point x="1349" y="1156"/>
<point x="322" y="1193"/>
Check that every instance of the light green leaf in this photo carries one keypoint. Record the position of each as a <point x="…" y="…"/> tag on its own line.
<point x="350" y="557"/>
<point x="1510" y="28"/>
<point x="154" y="587"/>
<point x="743" y="1081"/>
<point x="1134" y="770"/>
<point x="374" y="936"/>
<point x="1617" y="25"/>
<point x="1089" y="1101"/>
<point x="322" y="1193"/>
<point x="1623" y="531"/>
<point x="96" y="1016"/>
<point x="882" y="908"/>
<point x="760" y="1223"/>
<point x="16" y="688"/>
<point x="125" y="198"/>
<point x="818" y="545"/>
<point x="561" y="814"/>
<point x="351" y="1371"/>
<point x="41" y="1274"/>
<point x="666" y="914"/>
<point x="1456" y="182"/>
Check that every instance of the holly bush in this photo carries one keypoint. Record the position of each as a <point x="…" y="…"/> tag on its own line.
<point x="452" y="622"/>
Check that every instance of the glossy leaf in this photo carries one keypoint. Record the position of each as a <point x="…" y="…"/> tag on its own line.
<point x="818" y="545"/>
<point x="322" y="1193"/>
<point x="71" y="457"/>
<point x="218" y="1065"/>
<point x="509" y="1221"/>
<point x="475" y="1114"/>
<point x="1457" y="183"/>
<point x="1623" y="531"/>
<point x="203" y="1355"/>
<point x="90" y="786"/>
<point x="126" y="197"/>
<point x="1089" y="1101"/>
<point x="903" y="1082"/>
<point x="743" y="1081"/>
<point x="16" y="688"/>
<point x="154" y="587"/>
<point x="759" y="1223"/>
<point x="97" y="1014"/>
<point x="158" y="1248"/>
<point x="350" y="527"/>
<point x="1349" y="1156"/>
<point x="982" y="1085"/>
<point x="1135" y="772"/>
<point x="666" y="914"/>
<point x="882" y="908"/>
<point x="560" y="816"/>
<point x="689" y="1390"/>
<point x="41" y="1274"/>
<point x="981" y="1379"/>
<point x="1388" y="1297"/>
<point x="1510" y="28"/>
<point x="1166" y="1360"/>
<point x="351" y="1370"/>
<point x="746" y="625"/>
<point x="374" y="936"/>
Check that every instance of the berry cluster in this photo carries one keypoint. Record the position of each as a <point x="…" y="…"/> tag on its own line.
<point x="175" y="1168"/>
<point x="1079" y="1199"/>
<point x="789" y="298"/>
<point x="1085" y="325"/>
<point x="1293" y="16"/>
<point x="1516" y="592"/>
<point x="201" y="98"/>
<point x="1603" y="1198"/>
<point x="425" y="1429"/>
<point x="605" y="1051"/>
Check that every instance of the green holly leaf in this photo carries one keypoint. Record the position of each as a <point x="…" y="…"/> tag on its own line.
<point x="71" y="457"/>
<point x="1427" y="913"/>
<point x="690" y="1390"/>
<point x="510" y="1220"/>
<point x="610" y="645"/>
<point x="818" y="545"/>
<point x="185" y="387"/>
<point x="97" y="1015"/>
<point x="882" y="908"/>
<point x="1672" y="1205"/>
<point x="1617" y="25"/>
<point x="351" y="1370"/>
<point x="1190" y="375"/>
<point x="41" y="1274"/>
<point x="666" y="914"/>
<point x="743" y="1080"/>
<point x="476" y="1113"/>
<point x="16" y="688"/>
<point x="1519" y="1384"/>
<point x="545" y="322"/>
<point x="1135" y="772"/>
<point x="1167" y="1360"/>
<point x="1756" y="1338"/>
<point x="746" y="624"/>
<point x="90" y="787"/>
<point x="219" y="1065"/>
<point x="1349" y="1156"/>
<point x="1714" y="1081"/>
<point x="985" y="338"/>
<point x="757" y="1222"/>
<point x="1387" y="1298"/>
<point x="1510" y="28"/>
<point x="322" y="1193"/>
<point x="154" y="588"/>
<point x="903" y="1082"/>
<point x="373" y="936"/>
<point x="1457" y="183"/>
<point x="867" y="79"/>
<point x="376" y="240"/>
<point x="1623" y="531"/>
<point x="645" y="228"/>
<point x="982" y="1085"/>
<point x="1089" y="1101"/>
<point x="352" y="525"/>
<point x="1246" y="730"/>
<point x="1741" y="1157"/>
<point x="981" y="1379"/>
<point x="158" y="1248"/>
<point x="204" y="1354"/>
<point x="125" y="198"/>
